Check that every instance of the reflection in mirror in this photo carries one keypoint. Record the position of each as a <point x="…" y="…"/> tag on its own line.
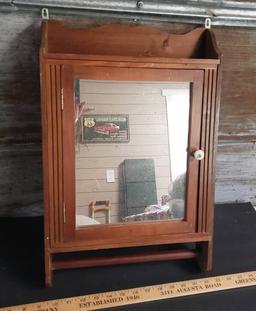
<point x="177" y="101"/>
<point x="130" y="151"/>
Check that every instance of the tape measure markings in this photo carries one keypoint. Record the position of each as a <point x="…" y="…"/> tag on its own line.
<point x="142" y="294"/>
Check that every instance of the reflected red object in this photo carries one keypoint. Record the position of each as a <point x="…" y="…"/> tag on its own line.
<point x="107" y="128"/>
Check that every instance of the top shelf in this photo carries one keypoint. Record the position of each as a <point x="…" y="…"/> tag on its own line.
<point x="126" y="40"/>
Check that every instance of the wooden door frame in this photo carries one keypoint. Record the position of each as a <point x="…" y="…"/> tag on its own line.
<point x="123" y="234"/>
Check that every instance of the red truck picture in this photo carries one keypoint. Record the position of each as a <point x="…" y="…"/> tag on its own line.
<point x="105" y="128"/>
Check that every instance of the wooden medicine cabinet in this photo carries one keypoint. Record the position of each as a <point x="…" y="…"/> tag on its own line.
<point x="129" y="118"/>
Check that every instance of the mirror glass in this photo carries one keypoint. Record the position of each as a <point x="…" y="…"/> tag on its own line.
<point x="131" y="142"/>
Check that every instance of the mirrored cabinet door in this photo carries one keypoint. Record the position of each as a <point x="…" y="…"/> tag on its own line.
<point x="131" y="141"/>
<point x="129" y="148"/>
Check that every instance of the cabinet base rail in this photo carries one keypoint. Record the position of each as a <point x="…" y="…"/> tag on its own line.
<point x="201" y="252"/>
<point x="123" y="259"/>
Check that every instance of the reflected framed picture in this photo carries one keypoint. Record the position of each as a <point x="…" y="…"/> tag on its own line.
<point x="105" y="128"/>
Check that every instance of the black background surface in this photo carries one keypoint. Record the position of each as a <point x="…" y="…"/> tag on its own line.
<point x="22" y="270"/>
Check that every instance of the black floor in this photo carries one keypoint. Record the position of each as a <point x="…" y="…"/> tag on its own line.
<point x="22" y="279"/>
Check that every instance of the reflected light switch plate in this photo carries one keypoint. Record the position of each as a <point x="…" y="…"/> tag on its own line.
<point x="110" y="175"/>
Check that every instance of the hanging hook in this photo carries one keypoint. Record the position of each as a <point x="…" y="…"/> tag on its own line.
<point x="45" y="13"/>
<point x="207" y="23"/>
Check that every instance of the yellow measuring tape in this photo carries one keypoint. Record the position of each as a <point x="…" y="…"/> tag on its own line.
<point x="143" y="294"/>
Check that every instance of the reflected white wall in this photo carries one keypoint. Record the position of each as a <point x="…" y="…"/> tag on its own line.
<point x="177" y="102"/>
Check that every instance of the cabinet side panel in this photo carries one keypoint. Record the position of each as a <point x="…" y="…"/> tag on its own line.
<point x="207" y="163"/>
<point x="210" y="197"/>
<point x="47" y="164"/>
<point x="45" y="75"/>
<point x="54" y="172"/>
<point x="56" y="150"/>
<point x="202" y="176"/>
<point x="50" y="90"/>
<point x="215" y="126"/>
<point x="206" y="189"/>
<point x="59" y="151"/>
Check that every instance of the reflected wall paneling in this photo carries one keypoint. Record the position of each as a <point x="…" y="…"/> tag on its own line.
<point x="118" y="96"/>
